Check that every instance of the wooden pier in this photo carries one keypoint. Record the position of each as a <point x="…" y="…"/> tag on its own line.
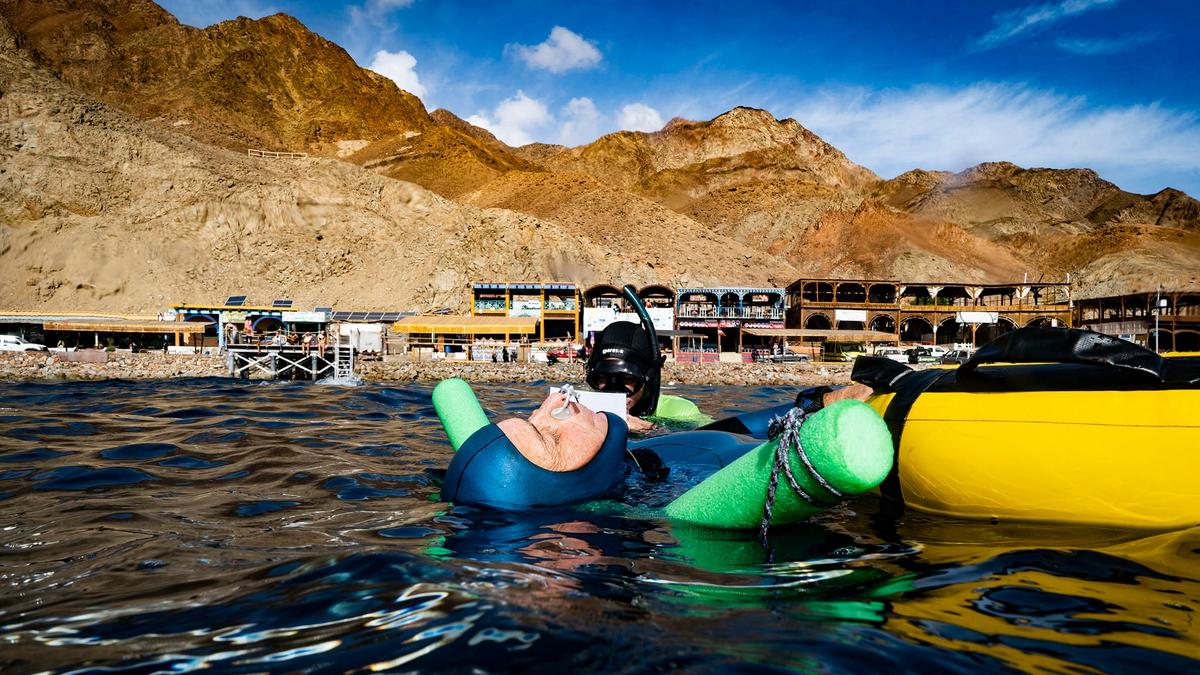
<point x="290" y="362"/>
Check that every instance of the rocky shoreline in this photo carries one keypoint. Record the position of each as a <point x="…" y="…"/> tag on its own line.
<point x="25" y="366"/>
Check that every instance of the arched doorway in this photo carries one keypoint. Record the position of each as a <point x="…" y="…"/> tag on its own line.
<point x="601" y="295"/>
<point x="1187" y="340"/>
<point x="267" y="324"/>
<point x="818" y="322"/>
<point x="988" y="332"/>
<point x="1165" y="340"/>
<point x="915" y="329"/>
<point x="882" y="323"/>
<point x="951" y="331"/>
<point x="1040" y="322"/>
<point x="657" y="295"/>
<point x="210" y="329"/>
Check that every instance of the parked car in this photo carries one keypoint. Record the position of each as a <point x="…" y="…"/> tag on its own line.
<point x="957" y="356"/>
<point x="12" y="343"/>
<point x="920" y="355"/>
<point x="893" y="353"/>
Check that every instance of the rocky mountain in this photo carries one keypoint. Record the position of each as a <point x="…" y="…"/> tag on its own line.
<point x="270" y="84"/>
<point x="131" y="211"/>
<point x="100" y="210"/>
<point x="687" y="160"/>
<point x="1063" y="220"/>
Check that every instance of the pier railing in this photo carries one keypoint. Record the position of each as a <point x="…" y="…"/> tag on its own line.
<point x="289" y="362"/>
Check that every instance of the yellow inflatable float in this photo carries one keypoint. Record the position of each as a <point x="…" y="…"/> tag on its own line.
<point x="1046" y="424"/>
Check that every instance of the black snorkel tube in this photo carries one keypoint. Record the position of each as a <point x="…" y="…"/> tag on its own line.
<point x="649" y="401"/>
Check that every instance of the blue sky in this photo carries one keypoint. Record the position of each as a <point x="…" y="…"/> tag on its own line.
<point x="1113" y="85"/>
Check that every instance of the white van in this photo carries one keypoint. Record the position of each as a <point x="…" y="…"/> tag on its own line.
<point x="12" y="343"/>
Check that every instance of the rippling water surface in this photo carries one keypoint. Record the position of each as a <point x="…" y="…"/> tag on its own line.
<point x="249" y="527"/>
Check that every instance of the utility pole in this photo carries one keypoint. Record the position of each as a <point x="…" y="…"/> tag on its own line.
<point x="1157" y="312"/>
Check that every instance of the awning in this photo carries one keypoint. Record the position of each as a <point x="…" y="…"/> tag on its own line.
<point x="677" y="333"/>
<point x="828" y="335"/>
<point x="467" y="325"/>
<point x="120" y="326"/>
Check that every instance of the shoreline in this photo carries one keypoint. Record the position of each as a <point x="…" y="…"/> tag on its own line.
<point x="49" y="366"/>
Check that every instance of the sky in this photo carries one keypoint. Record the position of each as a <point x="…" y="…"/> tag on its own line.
<point x="1110" y="85"/>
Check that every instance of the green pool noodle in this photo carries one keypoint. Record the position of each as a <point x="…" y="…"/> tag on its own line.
<point x="847" y="443"/>
<point x="678" y="410"/>
<point x="458" y="409"/>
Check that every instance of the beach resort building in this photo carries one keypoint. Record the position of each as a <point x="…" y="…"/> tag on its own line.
<point x="866" y="311"/>
<point x="91" y="330"/>
<point x="604" y="304"/>
<point x="729" y="320"/>
<point x="1163" y="320"/>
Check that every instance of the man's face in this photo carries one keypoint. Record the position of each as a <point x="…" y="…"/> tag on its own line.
<point x="558" y="445"/>
<point x="619" y="383"/>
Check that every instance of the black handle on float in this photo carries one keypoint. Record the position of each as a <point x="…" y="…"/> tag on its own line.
<point x="1066" y="345"/>
<point x="632" y="296"/>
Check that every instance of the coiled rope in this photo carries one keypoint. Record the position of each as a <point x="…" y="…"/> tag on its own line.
<point x="786" y="430"/>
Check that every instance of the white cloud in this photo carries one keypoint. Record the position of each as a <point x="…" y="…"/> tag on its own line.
<point x="581" y="122"/>
<point x="1093" y="46"/>
<point x="515" y="120"/>
<point x="375" y="9"/>
<point x="1009" y="25"/>
<point x="639" y="117"/>
<point x="400" y="67"/>
<point x="564" y="50"/>
<point x="1140" y="147"/>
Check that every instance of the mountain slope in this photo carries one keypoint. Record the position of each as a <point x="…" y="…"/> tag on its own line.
<point x="1063" y="220"/>
<point x="686" y="160"/>
<point x="102" y="211"/>
<point x="269" y="83"/>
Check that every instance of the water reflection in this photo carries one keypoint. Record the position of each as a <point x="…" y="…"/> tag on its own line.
<point x="249" y="527"/>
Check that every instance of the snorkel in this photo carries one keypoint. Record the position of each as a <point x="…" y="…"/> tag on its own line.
<point x="649" y="400"/>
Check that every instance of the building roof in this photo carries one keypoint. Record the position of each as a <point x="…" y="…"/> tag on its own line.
<point x="42" y="316"/>
<point x="734" y="289"/>
<point x="836" y="335"/>
<point x="124" y="326"/>
<point x="525" y="286"/>
<point x="463" y="325"/>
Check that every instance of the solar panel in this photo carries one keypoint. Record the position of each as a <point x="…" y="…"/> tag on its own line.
<point x="281" y="303"/>
<point x="235" y="301"/>
<point x="374" y="316"/>
<point x="324" y="310"/>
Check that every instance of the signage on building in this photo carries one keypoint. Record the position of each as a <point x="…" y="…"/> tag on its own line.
<point x="714" y="323"/>
<point x="698" y="297"/>
<point x="760" y="298"/>
<point x="303" y="317"/>
<point x="978" y="317"/>
<point x="762" y="324"/>
<point x="596" y="319"/>
<point x="526" y="307"/>
<point x="233" y="317"/>
<point x="859" y="315"/>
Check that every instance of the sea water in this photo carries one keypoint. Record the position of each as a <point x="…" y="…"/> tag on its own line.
<point x="170" y="526"/>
